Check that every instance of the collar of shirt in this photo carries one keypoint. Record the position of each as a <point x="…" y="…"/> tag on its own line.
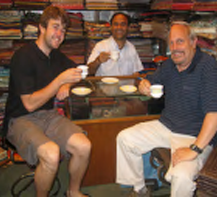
<point x="114" y="43"/>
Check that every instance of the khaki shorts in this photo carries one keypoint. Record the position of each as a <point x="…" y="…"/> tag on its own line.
<point x="30" y="131"/>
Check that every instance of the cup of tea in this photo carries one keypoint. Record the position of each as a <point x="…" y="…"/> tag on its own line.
<point x="156" y="90"/>
<point x="84" y="69"/>
<point x="114" y="55"/>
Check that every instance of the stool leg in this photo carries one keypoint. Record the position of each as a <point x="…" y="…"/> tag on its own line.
<point x="15" y="192"/>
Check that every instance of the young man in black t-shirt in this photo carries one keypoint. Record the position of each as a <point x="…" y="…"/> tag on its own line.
<point x="39" y="73"/>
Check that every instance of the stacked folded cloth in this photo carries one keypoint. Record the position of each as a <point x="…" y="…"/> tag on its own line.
<point x="207" y="180"/>
<point x="133" y="4"/>
<point x="154" y="29"/>
<point x="161" y="5"/>
<point x="5" y="4"/>
<point x="146" y="29"/>
<point x="153" y="24"/>
<point x="182" y="5"/>
<point x="205" y="5"/>
<point x="205" y="29"/>
<point x="99" y="30"/>
<point x="76" y="28"/>
<point x="30" y="31"/>
<point x="144" y="49"/>
<point x="69" y="4"/>
<point x="6" y="52"/>
<point x="101" y="4"/>
<point x="74" y="50"/>
<point x="3" y="100"/>
<point x="7" y="49"/>
<point x="10" y="24"/>
<point x="4" y="80"/>
<point x="134" y="30"/>
<point x="38" y="4"/>
<point x="30" y="25"/>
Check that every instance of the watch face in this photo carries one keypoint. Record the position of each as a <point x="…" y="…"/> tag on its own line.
<point x="196" y="148"/>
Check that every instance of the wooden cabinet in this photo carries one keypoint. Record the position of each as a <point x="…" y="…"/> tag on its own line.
<point x="102" y="134"/>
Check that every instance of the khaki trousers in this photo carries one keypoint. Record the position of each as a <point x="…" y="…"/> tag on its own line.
<point x="142" y="138"/>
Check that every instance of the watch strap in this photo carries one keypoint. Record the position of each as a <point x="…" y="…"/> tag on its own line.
<point x="195" y="148"/>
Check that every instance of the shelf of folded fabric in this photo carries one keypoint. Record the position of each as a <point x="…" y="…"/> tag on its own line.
<point x="10" y="24"/>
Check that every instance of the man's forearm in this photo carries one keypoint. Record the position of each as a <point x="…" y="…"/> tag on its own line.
<point x="93" y="66"/>
<point x="208" y="130"/>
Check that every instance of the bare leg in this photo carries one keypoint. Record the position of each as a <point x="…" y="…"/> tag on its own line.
<point x="45" y="173"/>
<point x="79" y="146"/>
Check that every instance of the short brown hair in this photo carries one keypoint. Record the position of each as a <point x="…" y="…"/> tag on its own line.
<point x="54" y="12"/>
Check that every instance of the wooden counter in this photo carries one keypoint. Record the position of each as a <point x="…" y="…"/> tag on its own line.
<point x="102" y="133"/>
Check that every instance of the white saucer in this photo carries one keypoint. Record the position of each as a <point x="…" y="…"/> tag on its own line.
<point x="128" y="88"/>
<point x="81" y="91"/>
<point x="110" y="80"/>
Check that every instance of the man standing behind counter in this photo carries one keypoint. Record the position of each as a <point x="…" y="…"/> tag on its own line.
<point x="102" y="61"/>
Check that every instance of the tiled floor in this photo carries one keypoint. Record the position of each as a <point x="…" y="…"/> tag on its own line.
<point x="9" y="173"/>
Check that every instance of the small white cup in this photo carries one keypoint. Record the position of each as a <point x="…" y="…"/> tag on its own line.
<point x="156" y="90"/>
<point x="84" y="69"/>
<point x="114" y="55"/>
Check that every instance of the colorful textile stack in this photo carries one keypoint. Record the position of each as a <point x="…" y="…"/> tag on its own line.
<point x="68" y="4"/>
<point x="3" y="99"/>
<point x="97" y="30"/>
<point x="5" y="4"/>
<point x="30" y="31"/>
<point x="101" y="4"/>
<point x="205" y="5"/>
<point x="10" y="24"/>
<point x="161" y="5"/>
<point x="134" y="30"/>
<point x="205" y="28"/>
<point x="134" y="4"/>
<point x="6" y="52"/>
<point x="182" y="5"/>
<point x="154" y="24"/>
<point x="76" y="28"/>
<point x="30" y="25"/>
<point x="38" y="4"/>
<point x="144" y="49"/>
<point x="4" y="78"/>
<point x="146" y="29"/>
<point x="74" y="50"/>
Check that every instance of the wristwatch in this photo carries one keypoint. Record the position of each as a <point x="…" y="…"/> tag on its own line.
<point x="196" y="148"/>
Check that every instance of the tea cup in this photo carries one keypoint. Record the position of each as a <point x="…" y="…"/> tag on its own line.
<point x="114" y="55"/>
<point x="84" y="69"/>
<point x="156" y="90"/>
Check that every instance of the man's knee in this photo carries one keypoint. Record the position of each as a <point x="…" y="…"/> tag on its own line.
<point x="49" y="155"/>
<point x="183" y="178"/>
<point x="79" y="144"/>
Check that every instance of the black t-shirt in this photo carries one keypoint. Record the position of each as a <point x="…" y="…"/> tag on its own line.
<point x="32" y="70"/>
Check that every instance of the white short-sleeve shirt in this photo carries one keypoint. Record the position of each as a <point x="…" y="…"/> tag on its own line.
<point x="127" y="64"/>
